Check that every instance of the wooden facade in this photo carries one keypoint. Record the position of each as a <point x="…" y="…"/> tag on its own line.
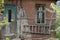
<point x="35" y="29"/>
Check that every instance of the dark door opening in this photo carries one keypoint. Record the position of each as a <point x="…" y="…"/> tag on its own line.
<point x="9" y="15"/>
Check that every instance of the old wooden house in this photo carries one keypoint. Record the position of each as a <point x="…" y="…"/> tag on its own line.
<point x="31" y="18"/>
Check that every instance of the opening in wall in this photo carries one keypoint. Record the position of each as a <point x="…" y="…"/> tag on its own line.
<point x="40" y="8"/>
<point x="9" y="15"/>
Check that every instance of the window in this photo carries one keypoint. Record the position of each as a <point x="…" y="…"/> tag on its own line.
<point x="9" y="15"/>
<point x="23" y="14"/>
<point x="40" y="13"/>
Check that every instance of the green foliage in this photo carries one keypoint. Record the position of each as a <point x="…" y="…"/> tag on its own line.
<point x="57" y="9"/>
<point x="3" y="22"/>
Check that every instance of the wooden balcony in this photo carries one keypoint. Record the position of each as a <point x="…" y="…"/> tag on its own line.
<point x="36" y="29"/>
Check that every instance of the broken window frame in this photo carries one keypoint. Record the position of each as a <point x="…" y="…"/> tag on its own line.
<point x="40" y="8"/>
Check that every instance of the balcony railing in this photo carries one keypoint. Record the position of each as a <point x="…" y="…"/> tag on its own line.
<point x="36" y="29"/>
